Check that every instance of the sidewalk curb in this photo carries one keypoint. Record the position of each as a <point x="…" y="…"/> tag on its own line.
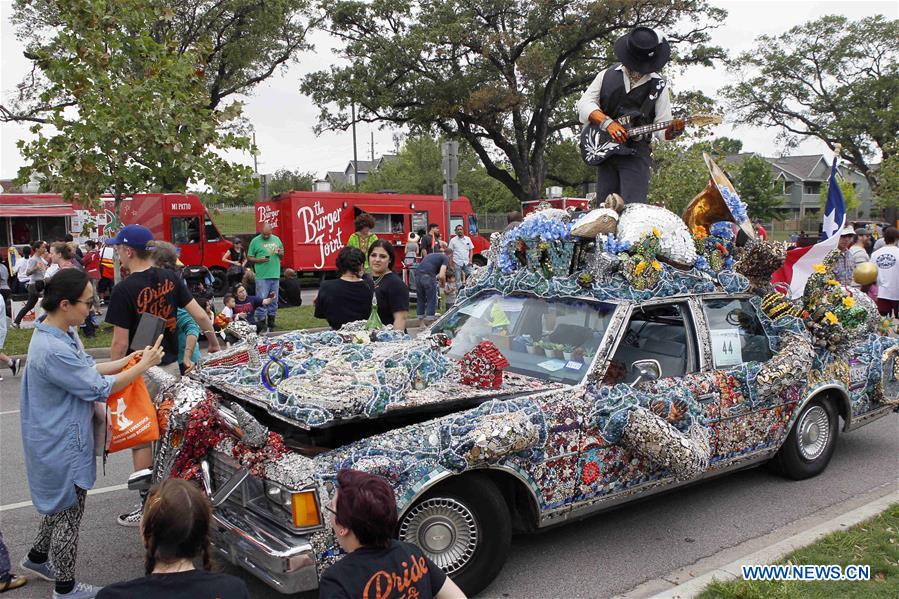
<point x="656" y="589"/>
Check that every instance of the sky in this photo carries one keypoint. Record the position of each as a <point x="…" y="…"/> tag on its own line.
<point x="283" y="118"/>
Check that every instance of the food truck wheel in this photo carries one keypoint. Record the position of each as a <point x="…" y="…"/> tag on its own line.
<point x="464" y="527"/>
<point x="220" y="281"/>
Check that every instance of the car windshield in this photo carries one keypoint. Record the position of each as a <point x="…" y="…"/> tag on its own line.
<point x="550" y="339"/>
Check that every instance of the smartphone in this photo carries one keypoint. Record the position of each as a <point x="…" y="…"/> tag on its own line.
<point x="149" y="328"/>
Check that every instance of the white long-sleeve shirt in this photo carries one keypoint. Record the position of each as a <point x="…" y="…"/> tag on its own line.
<point x="590" y="99"/>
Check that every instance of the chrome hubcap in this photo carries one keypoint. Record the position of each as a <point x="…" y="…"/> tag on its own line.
<point x="813" y="432"/>
<point x="445" y="529"/>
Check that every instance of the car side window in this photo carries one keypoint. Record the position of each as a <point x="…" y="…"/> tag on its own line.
<point x="735" y="332"/>
<point x="661" y="333"/>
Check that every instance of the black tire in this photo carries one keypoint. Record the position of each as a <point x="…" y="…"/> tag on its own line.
<point x="472" y="563"/>
<point x="802" y="455"/>
<point x="219" y="281"/>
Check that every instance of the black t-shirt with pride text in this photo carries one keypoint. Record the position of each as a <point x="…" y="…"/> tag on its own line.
<point x="157" y="291"/>
<point x="401" y="571"/>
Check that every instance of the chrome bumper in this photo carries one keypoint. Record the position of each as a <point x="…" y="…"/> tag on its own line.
<point x="281" y="559"/>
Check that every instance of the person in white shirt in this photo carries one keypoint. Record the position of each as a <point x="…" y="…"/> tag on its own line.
<point x="634" y="90"/>
<point x="463" y="249"/>
<point x="887" y="261"/>
<point x="18" y="271"/>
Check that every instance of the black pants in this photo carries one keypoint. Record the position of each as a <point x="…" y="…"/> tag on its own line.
<point x="33" y="296"/>
<point x="628" y="176"/>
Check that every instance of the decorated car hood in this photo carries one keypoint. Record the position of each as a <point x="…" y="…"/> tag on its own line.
<point x="320" y="379"/>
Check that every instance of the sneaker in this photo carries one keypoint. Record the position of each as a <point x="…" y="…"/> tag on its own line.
<point x="14" y="365"/>
<point x="16" y="325"/>
<point x="81" y="591"/>
<point x="132" y="518"/>
<point x="44" y="570"/>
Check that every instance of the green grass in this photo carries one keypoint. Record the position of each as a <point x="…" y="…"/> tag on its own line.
<point x="874" y="543"/>
<point x="232" y="223"/>
<point x="288" y="319"/>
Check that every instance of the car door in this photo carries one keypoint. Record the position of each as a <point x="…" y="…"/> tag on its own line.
<point x="735" y="338"/>
<point x="685" y="395"/>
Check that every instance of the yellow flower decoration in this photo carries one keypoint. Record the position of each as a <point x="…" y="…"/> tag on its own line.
<point x="833" y="282"/>
<point x="831" y="318"/>
<point x="657" y="265"/>
<point x="656" y="232"/>
<point x="700" y="232"/>
<point x="641" y="266"/>
<point x="820" y="269"/>
<point x="848" y="302"/>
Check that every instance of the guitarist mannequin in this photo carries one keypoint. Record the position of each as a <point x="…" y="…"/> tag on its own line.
<point x="631" y="89"/>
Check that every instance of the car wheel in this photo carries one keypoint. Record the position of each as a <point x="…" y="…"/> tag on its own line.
<point x="464" y="528"/>
<point x="811" y="442"/>
<point x="219" y="281"/>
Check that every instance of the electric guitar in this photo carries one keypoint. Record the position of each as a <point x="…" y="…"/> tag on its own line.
<point x="597" y="145"/>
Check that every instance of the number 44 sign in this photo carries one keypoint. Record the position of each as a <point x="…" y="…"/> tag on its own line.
<point x="726" y="347"/>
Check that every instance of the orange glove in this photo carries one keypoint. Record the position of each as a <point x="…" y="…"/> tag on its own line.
<point x="597" y="117"/>
<point x="618" y="133"/>
<point x="674" y="129"/>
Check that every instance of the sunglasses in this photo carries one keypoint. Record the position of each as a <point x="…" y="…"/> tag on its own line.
<point x="328" y="507"/>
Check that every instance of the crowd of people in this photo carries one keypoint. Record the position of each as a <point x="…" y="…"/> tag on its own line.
<point x="62" y="385"/>
<point x="858" y="247"/>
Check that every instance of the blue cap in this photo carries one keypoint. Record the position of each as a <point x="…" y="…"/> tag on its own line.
<point x="135" y="236"/>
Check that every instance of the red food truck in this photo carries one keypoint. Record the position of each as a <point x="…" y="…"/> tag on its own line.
<point x="181" y="219"/>
<point x="579" y="204"/>
<point x="313" y="226"/>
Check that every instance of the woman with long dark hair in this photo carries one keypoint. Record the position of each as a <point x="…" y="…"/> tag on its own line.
<point x="390" y="291"/>
<point x="347" y="298"/>
<point x="59" y="389"/>
<point x="175" y="532"/>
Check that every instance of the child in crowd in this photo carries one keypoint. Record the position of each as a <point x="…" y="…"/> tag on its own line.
<point x="224" y="318"/>
<point x="449" y="291"/>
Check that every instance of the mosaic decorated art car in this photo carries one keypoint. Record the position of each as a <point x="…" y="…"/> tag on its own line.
<point x="593" y="360"/>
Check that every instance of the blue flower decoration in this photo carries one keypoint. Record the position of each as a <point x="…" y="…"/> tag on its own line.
<point x="722" y="229"/>
<point x="734" y="204"/>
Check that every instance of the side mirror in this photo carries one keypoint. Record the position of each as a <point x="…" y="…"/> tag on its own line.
<point x="646" y="370"/>
<point x="141" y="480"/>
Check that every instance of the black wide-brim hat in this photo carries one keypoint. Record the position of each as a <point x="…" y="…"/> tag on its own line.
<point x="642" y="50"/>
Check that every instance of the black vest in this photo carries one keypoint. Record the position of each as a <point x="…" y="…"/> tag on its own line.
<point x="639" y="103"/>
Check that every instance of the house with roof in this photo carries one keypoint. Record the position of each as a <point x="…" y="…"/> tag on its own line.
<point x="802" y="178"/>
<point x="362" y="169"/>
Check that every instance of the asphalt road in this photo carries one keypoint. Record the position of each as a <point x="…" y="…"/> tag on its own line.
<point x="598" y="557"/>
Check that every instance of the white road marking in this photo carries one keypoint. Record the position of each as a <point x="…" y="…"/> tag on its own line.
<point x="21" y="504"/>
<point x="10" y="412"/>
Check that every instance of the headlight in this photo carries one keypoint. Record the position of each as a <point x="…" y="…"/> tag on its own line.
<point x="302" y="506"/>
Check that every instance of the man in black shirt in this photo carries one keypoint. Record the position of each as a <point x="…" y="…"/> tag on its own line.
<point x="363" y="516"/>
<point x="290" y="293"/>
<point x="427" y="241"/>
<point x="159" y="292"/>
<point x="347" y="298"/>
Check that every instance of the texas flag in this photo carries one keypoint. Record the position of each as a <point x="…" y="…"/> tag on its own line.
<point x="800" y="261"/>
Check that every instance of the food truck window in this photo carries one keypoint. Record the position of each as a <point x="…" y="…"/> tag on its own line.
<point x="472" y="224"/>
<point x="455" y="221"/>
<point x="420" y="221"/>
<point x="388" y="223"/>
<point x="185" y="229"/>
<point x="212" y="233"/>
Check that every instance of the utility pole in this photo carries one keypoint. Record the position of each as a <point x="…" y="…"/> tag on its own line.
<point x="450" y="171"/>
<point x="372" y="146"/>
<point x="255" y="164"/>
<point x="355" y="159"/>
